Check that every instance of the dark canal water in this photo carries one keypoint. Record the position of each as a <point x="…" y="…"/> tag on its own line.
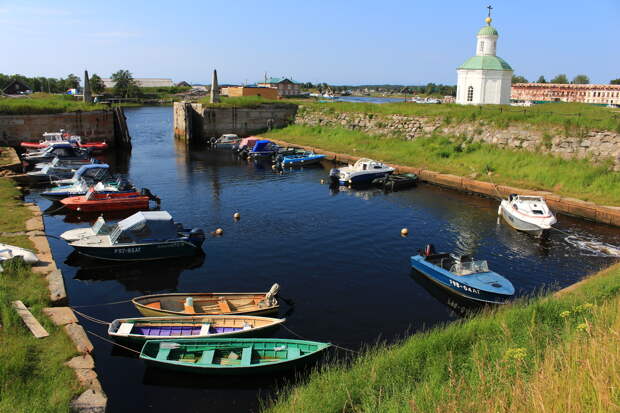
<point x="339" y="256"/>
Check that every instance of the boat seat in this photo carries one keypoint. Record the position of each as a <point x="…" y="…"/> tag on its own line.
<point x="155" y="304"/>
<point x="246" y="356"/>
<point x="124" y="329"/>
<point x="207" y="357"/>
<point x="163" y="353"/>
<point x="294" y="352"/>
<point x="224" y="306"/>
<point x="204" y="329"/>
<point x="189" y="309"/>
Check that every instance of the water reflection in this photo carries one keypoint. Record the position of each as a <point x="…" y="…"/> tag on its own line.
<point x="144" y="277"/>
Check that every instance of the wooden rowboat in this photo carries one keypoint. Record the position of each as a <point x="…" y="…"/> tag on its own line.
<point x="140" y="329"/>
<point x="232" y="356"/>
<point x="199" y="304"/>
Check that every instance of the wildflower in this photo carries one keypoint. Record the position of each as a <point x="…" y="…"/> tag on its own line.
<point x="583" y="307"/>
<point x="582" y="327"/>
<point x="518" y="353"/>
<point x="564" y="314"/>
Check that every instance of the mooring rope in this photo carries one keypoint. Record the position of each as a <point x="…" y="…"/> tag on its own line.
<point x="89" y="318"/>
<point x="303" y="338"/>
<point x="99" y="305"/>
<point x="113" y="342"/>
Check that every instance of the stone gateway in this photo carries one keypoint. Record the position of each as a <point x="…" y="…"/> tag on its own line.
<point x="484" y="78"/>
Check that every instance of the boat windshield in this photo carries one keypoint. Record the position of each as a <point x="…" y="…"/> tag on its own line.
<point x="98" y="224"/>
<point x="469" y="267"/>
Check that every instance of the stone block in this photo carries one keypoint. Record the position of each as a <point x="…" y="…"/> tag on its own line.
<point x="35" y="224"/>
<point x="88" y="378"/>
<point x="91" y="401"/>
<point x="77" y="334"/>
<point x="451" y="181"/>
<point x="56" y="285"/>
<point x="60" y="315"/>
<point x="479" y="187"/>
<point x="83" y="361"/>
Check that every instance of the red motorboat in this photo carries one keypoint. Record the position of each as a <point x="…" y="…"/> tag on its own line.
<point x="95" y="201"/>
<point x="50" y="138"/>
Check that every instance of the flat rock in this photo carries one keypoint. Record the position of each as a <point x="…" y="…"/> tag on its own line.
<point x="91" y="401"/>
<point x="56" y="285"/>
<point x="60" y="316"/>
<point x="83" y="361"/>
<point x="35" y="224"/>
<point x="88" y="379"/>
<point x="77" y="334"/>
<point x="40" y="243"/>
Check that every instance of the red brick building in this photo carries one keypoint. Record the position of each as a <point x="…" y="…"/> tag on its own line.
<point x="551" y="92"/>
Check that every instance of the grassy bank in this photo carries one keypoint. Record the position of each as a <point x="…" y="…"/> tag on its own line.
<point x="43" y="103"/>
<point x="573" y="117"/>
<point x="555" y="354"/>
<point x="32" y="375"/>
<point x="574" y="178"/>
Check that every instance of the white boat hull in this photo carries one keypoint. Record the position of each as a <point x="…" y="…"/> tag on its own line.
<point x="520" y="224"/>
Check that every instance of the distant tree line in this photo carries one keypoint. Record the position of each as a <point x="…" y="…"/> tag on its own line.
<point x="43" y="84"/>
<point x="428" y="89"/>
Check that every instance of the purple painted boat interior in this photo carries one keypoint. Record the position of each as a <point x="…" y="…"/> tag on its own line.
<point x="179" y="330"/>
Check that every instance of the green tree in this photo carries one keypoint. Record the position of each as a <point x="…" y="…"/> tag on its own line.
<point x="560" y="79"/>
<point x="615" y="81"/>
<point x="124" y="84"/>
<point x="72" y="82"/>
<point x="541" y="79"/>
<point x="518" y="79"/>
<point x="581" y="80"/>
<point x="96" y="84"/>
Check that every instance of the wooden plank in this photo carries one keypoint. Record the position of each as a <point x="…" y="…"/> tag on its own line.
<point x="32" y="323"/>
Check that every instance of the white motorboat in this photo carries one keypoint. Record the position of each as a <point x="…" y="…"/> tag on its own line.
<point x="8" y="252"/>
<point x="527" y="213"/>
<point x="362" y="172"/>
<point x="228" y="140"/>
<point x="100" y="227"/>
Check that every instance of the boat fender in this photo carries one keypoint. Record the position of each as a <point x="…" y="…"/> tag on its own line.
<point x="429" y="250"/>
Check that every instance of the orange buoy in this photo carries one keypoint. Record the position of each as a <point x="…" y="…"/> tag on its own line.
<point x="404" y="232"/>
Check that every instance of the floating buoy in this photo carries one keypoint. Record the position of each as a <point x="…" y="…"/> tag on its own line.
<point x="274" y="166"/>
<point x="404" y="232"/>
<point x="236" y="215"/>
<point x="322" y="181"/>
<point x="219" y="231"/>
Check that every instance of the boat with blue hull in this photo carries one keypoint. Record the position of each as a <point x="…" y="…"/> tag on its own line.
<point x="146" y="235"/>
<point x="303" y="159"/>
<point x="263" y="149"/>
<point x="464" y="276"/>
<point x="90" y="173"/>
<point x="363" y="172"/>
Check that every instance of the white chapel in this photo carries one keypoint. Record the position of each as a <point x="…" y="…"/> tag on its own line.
<point x="484" y="78"/>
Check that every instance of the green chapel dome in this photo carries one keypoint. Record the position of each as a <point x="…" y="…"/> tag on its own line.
<point x="488" y="31"/>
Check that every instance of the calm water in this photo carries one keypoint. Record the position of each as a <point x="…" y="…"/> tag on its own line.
<point x="338" y="256"/>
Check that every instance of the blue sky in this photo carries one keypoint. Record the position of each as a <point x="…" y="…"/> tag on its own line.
<point x="338" y="42"/>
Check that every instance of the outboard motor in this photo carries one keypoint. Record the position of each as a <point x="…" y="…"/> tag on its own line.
<point x="196" y="236"/>
<point x="334" y="176"/>
<point x="147" y="192"/>
<point x="429" y="250"/>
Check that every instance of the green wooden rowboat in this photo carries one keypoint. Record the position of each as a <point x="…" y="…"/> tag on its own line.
<point x="231" y="356"/>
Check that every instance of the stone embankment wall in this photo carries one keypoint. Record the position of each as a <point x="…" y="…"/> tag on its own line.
<point x="92" y="126"/>
<point x="196" y="121"/>
<point x="600" y="146"/>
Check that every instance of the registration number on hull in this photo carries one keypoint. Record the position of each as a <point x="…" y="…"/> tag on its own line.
<point x="464" y="287"/>
<point x="133" y="250"/>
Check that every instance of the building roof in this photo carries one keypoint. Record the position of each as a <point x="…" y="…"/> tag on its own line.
<point x="488" y="31"/>
<point x="143" y="82"/>
<point x="16" y="81"/>
<point x="485" y="63"/>
<point x="275" y="80"/>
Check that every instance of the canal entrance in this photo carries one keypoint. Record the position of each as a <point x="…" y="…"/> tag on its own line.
<point x="337" y="255"/>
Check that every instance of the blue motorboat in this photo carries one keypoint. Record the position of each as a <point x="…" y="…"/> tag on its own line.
<point x="303" y="159"/>
<point x="63" y="151"/>
<point x="464" y="276"/>
<point x="263" y="149"/>
<point x="363" y="172"/>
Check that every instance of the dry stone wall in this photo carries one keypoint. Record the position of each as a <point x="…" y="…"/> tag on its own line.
<point x="91" y="126"/>
<point x="194" y="120"/>
<point x="600" y="146"/>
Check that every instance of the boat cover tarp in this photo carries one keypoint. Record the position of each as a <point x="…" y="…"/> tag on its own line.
<point x="149" y="224"/>
<point x="249" y="141"/>
<point x="261" y="145"/>
<point x="100" y="168"/>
